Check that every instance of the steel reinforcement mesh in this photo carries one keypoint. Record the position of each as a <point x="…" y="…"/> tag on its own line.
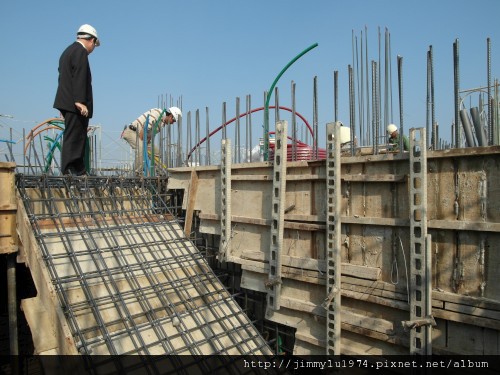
<point x="126" y="277"/>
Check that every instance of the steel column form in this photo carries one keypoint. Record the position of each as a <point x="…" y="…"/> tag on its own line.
<point x="420" y="281"/>
<point x="225" y="199"/>
<point x="332" y="302"/>
<point x="278" y="213"/>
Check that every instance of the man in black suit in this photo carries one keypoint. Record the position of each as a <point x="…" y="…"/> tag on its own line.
<point x="74" y="99"/>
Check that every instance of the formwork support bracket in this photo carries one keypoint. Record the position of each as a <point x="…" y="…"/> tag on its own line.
<point x="225" y="200"/>
<point x="277" y="217"/>
<point x="333" y="239"/>
<point x="420" y="245"/>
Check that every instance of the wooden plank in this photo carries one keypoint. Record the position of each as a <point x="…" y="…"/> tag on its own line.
<point x="393" y="222"/>
<point x="472" y="310"/>
<point x="386" y="222"/>
<point x="40" y="325"/>
<point x="8" y="235"/>
<point x="252" y="177"/>
<point x="193" y="189"/>
<point x="364" y="272"/>
<point x="374" y="178"/>
<point x="65" y="222"/>
<point x="464" y="225"/>
<point x="31" y="252"/>
<point x="483" y="303"/>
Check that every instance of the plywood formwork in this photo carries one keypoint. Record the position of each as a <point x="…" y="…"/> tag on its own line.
<point x="115" y="274"/>
<point x="8" y="207"/>
<point x="463" y="220"/>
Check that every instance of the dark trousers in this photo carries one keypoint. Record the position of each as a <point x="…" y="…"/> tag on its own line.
<point x="73" y="146"/>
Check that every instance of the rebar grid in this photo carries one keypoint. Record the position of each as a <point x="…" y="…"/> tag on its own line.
<point x="126" y="277"/>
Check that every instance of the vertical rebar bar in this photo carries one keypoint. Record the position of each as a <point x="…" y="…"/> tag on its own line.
<point x="359" y="103"/>
<point x="248" y="134"/>
<point x="224" y="133"/>
<point x="386" y="80"/>
<point x="401" y="103"/>
<point x="179" y="143"/>
<point x="490" y="114"/>
<point x="237" y="146"/>
<point x="294" y="125"/>
<point x="188" y="137"/>
<point x="433" y="103"/>
<point x="362" y="135"/>
<point x="375" y="107"/>
<point x="335" y="96"/>
<point x="197" y="139"/>
<point x="315" y="117"/>
<point x="456" y="76"/>
<point x="352" y="106"/>
<point x="368" y="135"/>
<point x="207" y="122"/>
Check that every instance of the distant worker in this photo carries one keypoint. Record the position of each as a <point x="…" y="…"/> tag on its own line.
<point x="74" y="99"/>
<point x="394" y="138"/>
<point x="133" y="133"/>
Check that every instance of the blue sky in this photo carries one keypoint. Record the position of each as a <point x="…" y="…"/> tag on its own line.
<point x="210" y="52"/>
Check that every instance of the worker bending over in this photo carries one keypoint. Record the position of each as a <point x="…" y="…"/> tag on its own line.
<point x="133" y="133"/>
<point x="394" y="138"/>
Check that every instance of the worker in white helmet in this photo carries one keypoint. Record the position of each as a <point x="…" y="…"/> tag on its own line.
<point x="134" y="133"/>
<point x="74" y="99"/>
<point x="394" y="138"/>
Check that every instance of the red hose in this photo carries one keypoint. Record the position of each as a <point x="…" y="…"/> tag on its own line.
<point x="244" y="114"/>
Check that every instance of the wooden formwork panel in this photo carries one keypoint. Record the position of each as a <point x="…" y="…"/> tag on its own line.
<point x="8" y="207"/>
<point x="463" y="212"/>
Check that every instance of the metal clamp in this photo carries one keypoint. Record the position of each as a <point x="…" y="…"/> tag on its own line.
<point x="271" y="282"/>
<point x="411" y="324"/>
<point x="329" y="298"/>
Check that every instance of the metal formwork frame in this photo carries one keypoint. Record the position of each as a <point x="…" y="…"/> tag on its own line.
<point x="225" y="199"/>
<point x="332" y="302"/>
<point x="278" y="213"/>
<point x="420" y="260"/>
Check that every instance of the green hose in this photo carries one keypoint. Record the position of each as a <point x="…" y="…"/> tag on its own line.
<point x="270" y="93"/>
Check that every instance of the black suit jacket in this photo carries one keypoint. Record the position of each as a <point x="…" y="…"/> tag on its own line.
<point x="75" y="80"/>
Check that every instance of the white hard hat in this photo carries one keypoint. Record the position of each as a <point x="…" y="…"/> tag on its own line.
<point x="391" y="128"/>
<point x="176" y="112"/>
<point x="89" y="30"/>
